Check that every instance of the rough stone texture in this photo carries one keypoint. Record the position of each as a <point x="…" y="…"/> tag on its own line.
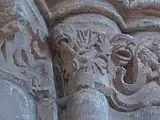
<point x="8" y="24"/>
<point x="47" y="109"/>
<point x="107" y="50"/>
<point x="15" y="103"/>
<point x="82" y="106"/>
<point x="82" y="59"/>
<point x="26" y="74"/>
<point x="105" y="56"/>
<point x="150" y="113"/>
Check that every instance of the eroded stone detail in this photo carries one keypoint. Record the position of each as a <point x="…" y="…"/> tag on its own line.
<point x="92" y="65"/>
<point x="47" y="109"/>
<point x="80" y="49"/>
<point x="82" y="59"/>
<point x="142" y="91"/>
<point x="131" y="65"/>
<point x="15" y="94"/>
<point x="24" y="59"/>
<point x="87" y="104"/>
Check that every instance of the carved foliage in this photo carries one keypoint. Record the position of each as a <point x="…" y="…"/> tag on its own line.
<point x="148" y="55"/>
<point x="136" y="63"/>
<point x="80" y="49"/>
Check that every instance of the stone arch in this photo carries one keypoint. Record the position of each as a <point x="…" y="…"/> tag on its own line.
<point x="16" y="102"/>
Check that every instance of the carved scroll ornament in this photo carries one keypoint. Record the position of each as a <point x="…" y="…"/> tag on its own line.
<point x="144" y="78"/>
<point x="79" y="51"/>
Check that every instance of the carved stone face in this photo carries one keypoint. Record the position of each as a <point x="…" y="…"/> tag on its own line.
<point x="122" y="52"/>
<point x="123" y="55"/>
<point x="144" y="90"/>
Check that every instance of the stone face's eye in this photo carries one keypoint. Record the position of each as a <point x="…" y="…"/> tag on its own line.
<point x="66" y="40"/>
<point x="63" y="40"/>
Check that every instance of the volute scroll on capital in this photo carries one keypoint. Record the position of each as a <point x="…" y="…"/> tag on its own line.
<point x="144" y="75"/>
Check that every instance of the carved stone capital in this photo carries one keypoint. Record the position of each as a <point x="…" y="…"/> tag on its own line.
<point x="81" y="54"/>
<point x="99" y="49"/>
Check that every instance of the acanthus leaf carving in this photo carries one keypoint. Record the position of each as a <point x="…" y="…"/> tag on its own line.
<point x="81" y="49"/>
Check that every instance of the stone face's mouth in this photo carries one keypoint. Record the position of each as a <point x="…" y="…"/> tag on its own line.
<point x="123" y="56"/>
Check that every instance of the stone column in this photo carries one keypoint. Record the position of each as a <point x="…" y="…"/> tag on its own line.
<point x="81" y="51"/>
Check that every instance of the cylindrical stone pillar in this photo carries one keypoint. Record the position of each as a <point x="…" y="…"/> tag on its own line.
<point x="87" y="104"/>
